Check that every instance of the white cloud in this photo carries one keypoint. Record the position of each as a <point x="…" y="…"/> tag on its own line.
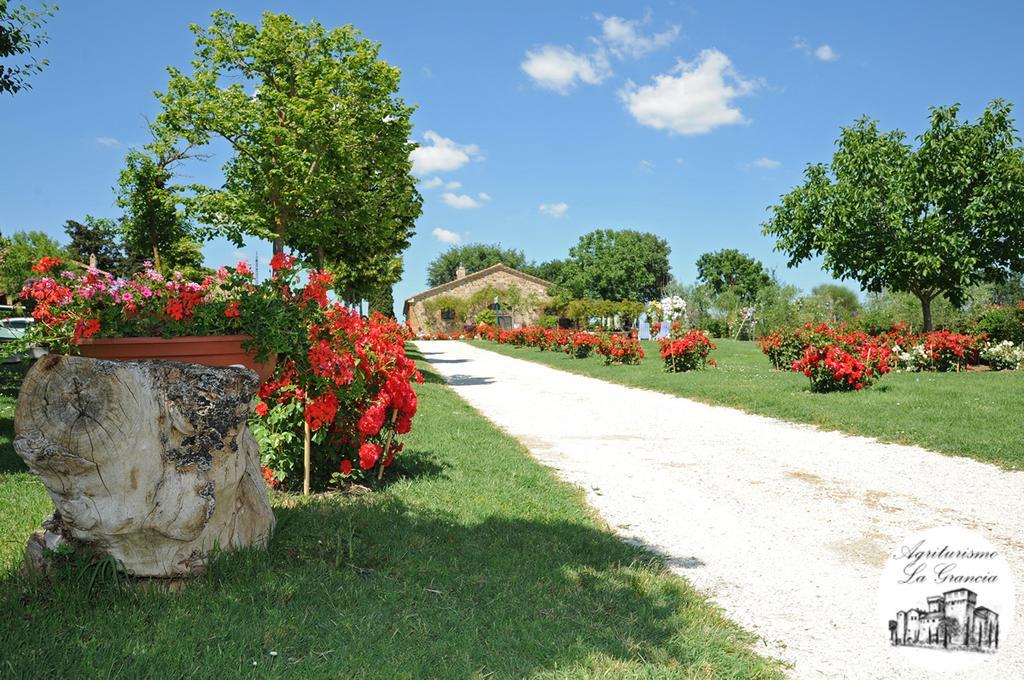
<point x="441" y="154"/>
<point x="445" y="236"/>
<point x="453" y="185"/>
<point x="109" y="142"/>
<point x="432" y="183"/>
<point x="554" y="209"/>
<point x="460" y="201"/>
<point x="693" y="98"/>
<point x="646" y="166"/>
<point x="823" y="52"/>
<point x="559" y="68"/>
<point x="826" y="53"/>
<point x="624" y="39"/>
<point x="484" y="196"/>
<point x="764" y="164"/>
<point x="562" y="68"/>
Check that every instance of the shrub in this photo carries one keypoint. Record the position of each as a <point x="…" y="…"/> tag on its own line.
<point x="840" y="360"/>
<point x="937" y="351"/>
<point x="783" y="346"/>
<point x="1001" y="322"/>
<point x="1004" y="356"/>
<point x="687" y="353"/>
<point x="548" y="321"/>
<point x="583" y="345"/>
<point x="487" y="316"/>
<point x="619" y="349"/>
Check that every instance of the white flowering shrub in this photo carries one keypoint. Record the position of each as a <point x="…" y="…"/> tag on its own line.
<point x="1004" y="356"/>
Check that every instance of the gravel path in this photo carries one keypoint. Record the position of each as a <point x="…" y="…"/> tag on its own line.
<point x="785" y="526"/>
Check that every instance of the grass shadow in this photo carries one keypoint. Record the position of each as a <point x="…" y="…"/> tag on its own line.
<point x="372" y="585"/>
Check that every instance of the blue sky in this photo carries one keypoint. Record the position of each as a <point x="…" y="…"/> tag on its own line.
<point x="545" y="120"/>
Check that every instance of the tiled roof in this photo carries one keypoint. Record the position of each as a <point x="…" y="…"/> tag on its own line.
<point x="455" y="283"/>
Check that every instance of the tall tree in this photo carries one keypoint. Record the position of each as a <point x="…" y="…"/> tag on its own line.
<point x="99" y="237"/>
<point x="839" y="302"/>
<point x="320" y="140"/>
<point x="731" y="270"/>
<point x="155" y="222"/>
<point x="21" y="251"/>
<point x="617" y="265"/>
<point x="931" y="219"/>
<point x="19" y="35"/>
<point x="474" y="257"/>
<point x="549" y="271"/>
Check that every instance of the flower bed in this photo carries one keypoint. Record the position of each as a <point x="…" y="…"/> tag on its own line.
<point x="837" y="358"/>
<point x="687" y="353"/>
<point x="613" y="349"/>
<point x="618" y="349"/>
<point x="345" y="376"/>
<point x="1004" y="356"/>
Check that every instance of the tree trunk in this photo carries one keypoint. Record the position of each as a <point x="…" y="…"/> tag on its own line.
<point x="926" y="311"/>
<point x="148" y="462"/>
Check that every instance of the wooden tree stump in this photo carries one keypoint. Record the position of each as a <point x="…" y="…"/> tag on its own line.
<point x="149" y="462"/>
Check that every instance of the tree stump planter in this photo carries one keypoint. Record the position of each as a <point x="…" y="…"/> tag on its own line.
<point x="148" y="462"/>
<point x="209" y="350"/>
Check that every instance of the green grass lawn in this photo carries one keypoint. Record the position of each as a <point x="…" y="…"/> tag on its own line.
<point x="975" y="414"/>
<point x="474" y="562"/>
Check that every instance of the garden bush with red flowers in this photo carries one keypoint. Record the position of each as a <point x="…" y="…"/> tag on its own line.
<point x="687" y="352"/>
<point x="618" y="349"/>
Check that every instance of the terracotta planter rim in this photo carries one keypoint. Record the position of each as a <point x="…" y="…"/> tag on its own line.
<point x="153" y="339"/>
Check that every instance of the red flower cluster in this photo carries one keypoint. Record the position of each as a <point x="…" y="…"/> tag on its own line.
<point x="837" y="359"/>
<point x="687" y="353"/>
<point x="46" y="264"/>
<point x="354" y="388"/>
<point x="282" y="261"/>
<point x="618" y="349"/>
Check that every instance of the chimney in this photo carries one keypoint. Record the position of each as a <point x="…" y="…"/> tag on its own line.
<point x="460" y="273"/>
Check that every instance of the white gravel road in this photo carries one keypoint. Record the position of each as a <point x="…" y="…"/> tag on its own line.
<point x="786" y="527"/>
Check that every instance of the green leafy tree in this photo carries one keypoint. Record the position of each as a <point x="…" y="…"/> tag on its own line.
<point x="22" y="250"/>
<point x="549" y="271"/>
<point x="320" y="142"/>
<point x="474" y="257"/>
<point x="19" y="35"/>
<point x="382" y="299"/>
<point x="98" y="237"/>
<point x="839" y="302"/>
<point x="617" y="265"/>
<point x="156" y="225"/>
<point x="731" y="270"/>
<point x="931" y="219"/>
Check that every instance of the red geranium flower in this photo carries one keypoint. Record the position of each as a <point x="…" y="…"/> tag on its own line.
<point x="231" y="311"/>
<point x="262" y="409"/>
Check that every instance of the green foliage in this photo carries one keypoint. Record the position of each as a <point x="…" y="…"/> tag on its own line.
<point x="930" y="220"/>
<point x="837" y="303"/>
<point x="549" y="271"/>
<point x="99" y="237"/>
<point x="19" y="35"/>
<point x="155" y="225"/>
<point x="320" y="143"/>
<point x="581" y="311"/>
<point x="731" y="270"/>
<point x="1001" y="322"/>
<point x="382" y="299"/>
<point x="486" y="316"/>
<point x="474" y="257"/>
<point x="548" y="321"/>
<point x="20" y="252"/>
<point x="617" y="265"/>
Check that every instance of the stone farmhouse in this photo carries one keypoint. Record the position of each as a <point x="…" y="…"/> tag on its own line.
<point x="432" y="310"/>
<point x="952" y="620"/>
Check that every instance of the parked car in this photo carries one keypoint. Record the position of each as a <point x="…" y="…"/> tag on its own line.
<point x="14" y="329"/>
